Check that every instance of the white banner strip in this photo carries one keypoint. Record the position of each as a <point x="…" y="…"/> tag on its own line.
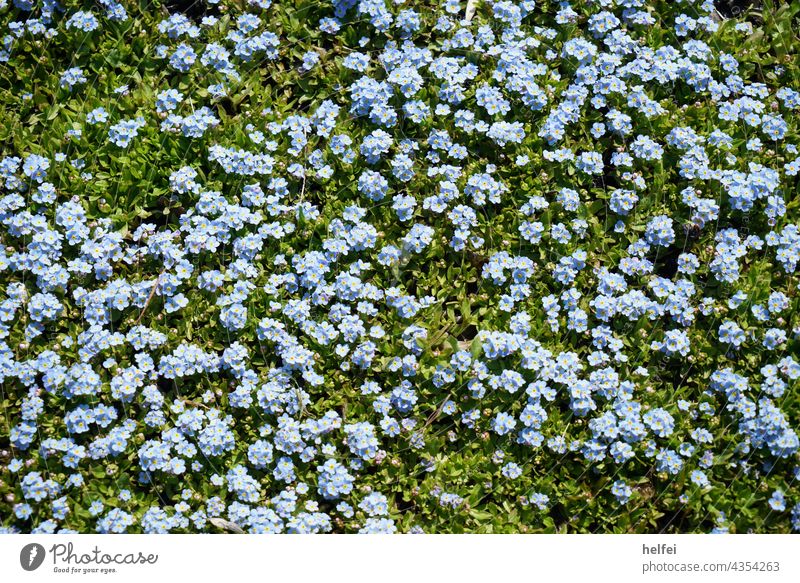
<point x="438" y="558"/>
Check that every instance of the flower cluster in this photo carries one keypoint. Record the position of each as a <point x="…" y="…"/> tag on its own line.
<point x="530" y="269"/>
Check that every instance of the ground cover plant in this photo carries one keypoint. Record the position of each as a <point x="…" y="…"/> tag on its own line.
<point x="372" y="266"/>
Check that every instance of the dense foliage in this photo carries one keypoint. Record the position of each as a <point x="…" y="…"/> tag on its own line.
<point x="421" y="266"/>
